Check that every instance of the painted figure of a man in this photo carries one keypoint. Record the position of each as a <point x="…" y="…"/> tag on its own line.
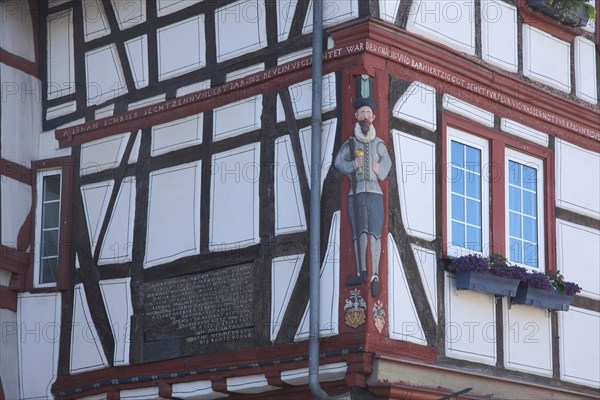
<point x="364" y="158"/>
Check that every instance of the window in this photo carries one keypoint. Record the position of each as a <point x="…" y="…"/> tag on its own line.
<point x="467" y="185"/>
<point x="495" y="195"/>
<point x="524" y="194"/>
<point x="48" y="209"/>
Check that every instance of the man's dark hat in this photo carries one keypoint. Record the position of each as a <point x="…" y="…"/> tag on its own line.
<point x="361" y="102"/>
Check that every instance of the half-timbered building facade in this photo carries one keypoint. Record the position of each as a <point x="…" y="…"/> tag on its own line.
<point x="155" y="188"/>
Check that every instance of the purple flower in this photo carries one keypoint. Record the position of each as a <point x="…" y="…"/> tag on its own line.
<point x="539" y="281"/>
<point x="470" y="263"/>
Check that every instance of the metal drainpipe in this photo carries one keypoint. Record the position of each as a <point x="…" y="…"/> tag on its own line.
<point x="315" y="204"/>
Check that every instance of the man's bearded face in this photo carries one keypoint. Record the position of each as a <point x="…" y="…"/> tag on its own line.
<point x="365" y="125"/>
<point x="365" y="117"/>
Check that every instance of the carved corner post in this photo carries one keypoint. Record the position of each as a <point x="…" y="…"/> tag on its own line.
<point x="363" y="305"/>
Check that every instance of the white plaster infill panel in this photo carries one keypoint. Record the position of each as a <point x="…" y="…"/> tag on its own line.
<point x="129" y="12"/>
<point x="579" y="330"/>
<point x="327" y="140"/>
<point x="467" y="110"/>
<point x="427" y="263"/>
<point x="388" y="10"/>
<point x="334" y="13"/>
<point x="86" y="349"/>
<point x="118" y="242"/>
<point x="586" y="77"/>
<point x="240" y="28"/>
<point x="38" y="332"/>
<point x="60" y="63"/>
<point x="137" y="54"/>
<point x="524" y="132"/>
<point x="237" y="118"/>
<point x="417" y="105"/>
<point x="102" y="154"/>
<point x="95" y="203"/>
<point x="330" y="287"/>
<point x="197" y="390"/>
<point x="240" y="73"/>
<point x="104" y="75"/>
<point x="546" y="58"/>
<point x="301" y="95"/>
<point x="527" y="339"/>
<point x="404" y="323"/>
<point x="135" y="150"/>
<point x="173" y="214"/>
<point x="95" y="24"/>
<point x="470" y="324"/>
<point x="16" y="30"/>
<point x="447" y="22"/>
<point x="577" y="179"/>
<point x="327" y="373"/>
<point x="289" y="207"/>
<point x="499" y="34"/>
<point x="116" y="294"/>
<point x="250" y="384"/>
<point x="146" y="393"/>
<point x="15" y="198"/>
<point x="21" y="121"/>
<point x="285" y="15"/>
<point x="61" y="109"/>
<point x="234" y="198"/>
<point x="9" y="348"/>
<point x="578" y="256"/>
<point x="177" y="134"/>
<point x="284" y="275"/>
<point x="165" y="7"/>
<point x="177" y="56"/>
<point x="415" y="166"/>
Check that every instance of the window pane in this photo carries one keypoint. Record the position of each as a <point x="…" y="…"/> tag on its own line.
<point x="457" y="154"/>
<point x="530" y="229"/>
<point x="529" y="203"/>
<point x="514" y="199"/>
<point x="458" y="208"/>
<point x="530" y="254"/>
<point x="49" y="245"/>
<point x="473" y="186"/>
<point x="50" y="212"/>
<point x="51" y="187"/>
<point x="529" y="178"/>
<point x="474" y="212"/>
<point x="48" y="270"/>
<point x="514" y="221"/>
<point x="458" y="234"/>
<point x="458" y="181"/>
<point x="515" y="250"/>
<point x="514" y="173"/>
<point x="473" y="238"/>
<point x="473" y="155"/>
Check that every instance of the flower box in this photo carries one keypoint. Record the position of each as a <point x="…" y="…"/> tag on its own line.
<point x="551" y="300"/>
<point x="486" y="283"/>
<point x="567" y="12"/>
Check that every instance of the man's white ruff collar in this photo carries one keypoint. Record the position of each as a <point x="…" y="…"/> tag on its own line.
<point x="364" y="138"/>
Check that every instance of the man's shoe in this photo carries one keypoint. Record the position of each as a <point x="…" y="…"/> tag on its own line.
<point x="374" y="286"/>
<point x="353" y="281"/>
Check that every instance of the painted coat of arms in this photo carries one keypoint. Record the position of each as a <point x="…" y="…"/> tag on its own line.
<point x="355" y="309"/>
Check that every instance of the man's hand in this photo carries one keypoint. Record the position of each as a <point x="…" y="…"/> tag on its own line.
<point x="375" y="167"/>
<point x="358" y="162"/>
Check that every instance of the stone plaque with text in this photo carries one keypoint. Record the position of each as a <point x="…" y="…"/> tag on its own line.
<point x="193" y="312"/>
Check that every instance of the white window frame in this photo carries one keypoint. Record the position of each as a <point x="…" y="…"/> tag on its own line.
<point x="38" y="225"/>
<point x="482" y="144"/>
<point x="538" y="165"/>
